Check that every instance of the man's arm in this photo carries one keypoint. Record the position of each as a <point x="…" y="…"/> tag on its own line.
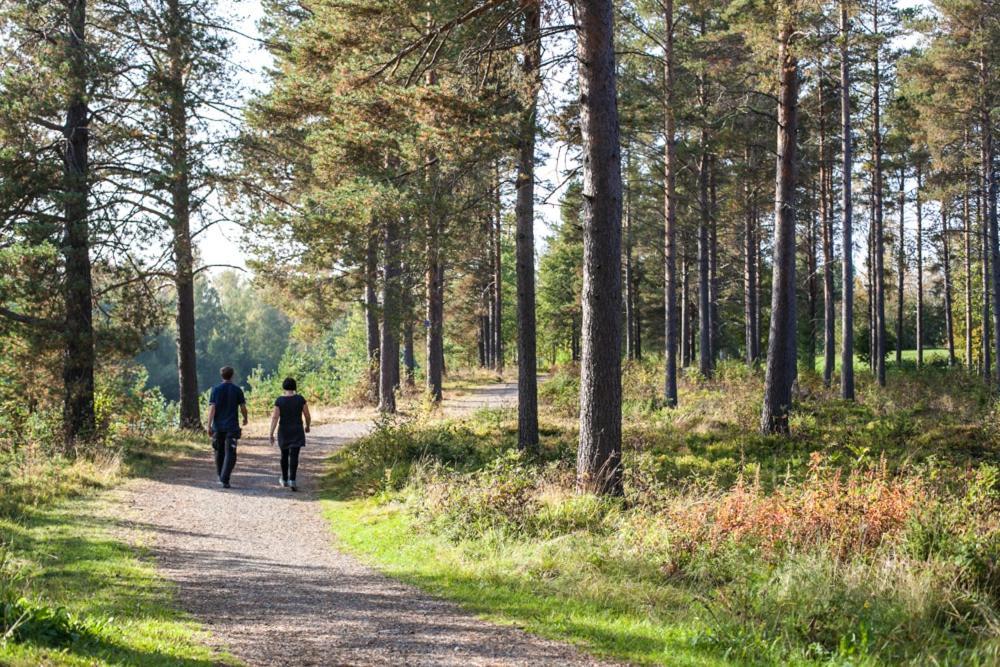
<point x="305" y="413"/>
<point x="211" y="417"/>
<point x="243" y="409"/>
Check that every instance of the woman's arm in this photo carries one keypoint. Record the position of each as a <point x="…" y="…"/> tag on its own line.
<point x="274" y="421"/>
<point x="305" y="413"/>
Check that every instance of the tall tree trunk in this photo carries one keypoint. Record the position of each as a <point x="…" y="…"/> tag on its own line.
<point x="750" y="246"/>
<point x="629" y="277"/>
<point x="686" y="343"/>
<point x="527" y="377"/>
<point x="812" y="284"/>
<point x="79" y="356"/>
<point x="985" y="255"/>
<point x="847" y="204"/>
<point x="391" y="306"/>
<point x="781" y="353"/>
<point x="900" y="267"/>
<point x="713" y="261"/>
<point x="498" y="279"/>
<point x="879" y="231"/>
<point x="371" y="313"/>
<point x="409" y="358"/>
<point x="946" y="268"/>
<point x="670" y="213"/>
<point x="637" y="310"/>
<point x="704" y="221"/>
<point x="990" y="196"/>
<point x="920" y="279"/>
<point x="967" y="229"/>
<point x="180" y="205"/>
<point x="599" y="467"/>
<point x="826" y="215"/>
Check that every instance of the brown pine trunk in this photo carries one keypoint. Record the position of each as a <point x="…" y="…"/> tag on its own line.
<point x="847" y="203"/>
<point x="879" y="230"/>
<point x="967" y="229"/>
<point x="826" y="215"/>
<point x="599" y="467"/>
<point x="990" y="197"/>
<point x="686" y="343"/>
<point x="946" y="269"/>
<point x="180" y="205"/>
<point x="900" y="267"/>
<point x="670" y="214"/>
<point x="781" y="353"/>
<point x="78" y="293"/>
<point x="920" y="277"/>
<point x="750" y="246"/>
<point x="984" y="238"/>
<point x="498" y="280"/>
<point x="527" y="374"/>
<point x="409" y="358"/>
<point x="391" y="306"/>
<point x="704" y="221"/>
<point x="371" y="313"/>
<point x="629" y="277"/>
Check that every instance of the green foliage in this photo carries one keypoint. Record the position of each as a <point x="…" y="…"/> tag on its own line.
<point x="870" y="539"/>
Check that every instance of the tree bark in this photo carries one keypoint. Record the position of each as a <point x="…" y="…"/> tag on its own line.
<point x="946" y="268"/>
<point x="990" y="196"/>
<point x="847" y="263"/>
<point x="704" y="220"/>
<point x="984" y="233"/>
<point x="920" y="277"/>
<point x="409" y="358"/>
<point x="750" y="278"/>
<point x="670" y="212"/>
<point x="826" y="215"/>
<point x="629" y="277"/>
<point x="781" y="353"/>
<point x="599" y="467"/>
<point x="498" y="359"/>
<point x="391" y="306"/>
<point x="371" y="313"/>
<point x="527" y="373"/>
<point x="900" y="267"/>
<point x="78" y="293"/>
<point x="686" y="343"/>
<point x="967" y="229"/>
<point x="879" y="227"/>
<point x="180" y="205"/>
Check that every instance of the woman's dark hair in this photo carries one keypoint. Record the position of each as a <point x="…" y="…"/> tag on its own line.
<point x="289" y="384"/>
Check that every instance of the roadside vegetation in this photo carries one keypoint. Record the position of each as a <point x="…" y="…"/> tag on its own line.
<point x="72" y="590"/>
<point x="868" y="538"/>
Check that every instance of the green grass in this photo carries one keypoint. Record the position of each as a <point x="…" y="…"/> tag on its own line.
<point x="732" y="548"/>
<point x="506" y="582"/>
<point x="69" y="559"/>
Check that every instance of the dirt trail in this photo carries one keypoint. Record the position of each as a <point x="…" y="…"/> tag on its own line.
<point x="257" y="565"/>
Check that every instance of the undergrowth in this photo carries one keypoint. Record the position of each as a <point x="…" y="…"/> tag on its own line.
<point x="869" y="537"/>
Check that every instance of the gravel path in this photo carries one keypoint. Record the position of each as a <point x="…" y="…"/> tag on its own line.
<point x="257" y="566"/>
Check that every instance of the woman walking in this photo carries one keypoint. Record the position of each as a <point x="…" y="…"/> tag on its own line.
<point x="289" y="409"/>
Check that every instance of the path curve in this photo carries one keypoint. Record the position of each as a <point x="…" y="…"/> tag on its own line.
<point x="256" y="564"/>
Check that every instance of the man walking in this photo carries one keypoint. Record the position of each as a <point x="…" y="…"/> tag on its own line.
<point x="224" y="425"/>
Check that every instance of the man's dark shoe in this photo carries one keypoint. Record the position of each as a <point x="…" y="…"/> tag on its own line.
<point x="225" y="485"/>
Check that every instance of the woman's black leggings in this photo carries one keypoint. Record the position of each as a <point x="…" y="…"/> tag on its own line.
<point x="289" y="462"/>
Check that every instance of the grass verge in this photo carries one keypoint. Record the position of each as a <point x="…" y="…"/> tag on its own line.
<point x="72" y="591"/>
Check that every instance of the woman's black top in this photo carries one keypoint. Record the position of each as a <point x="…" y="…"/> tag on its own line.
<point x="290" y="430"/>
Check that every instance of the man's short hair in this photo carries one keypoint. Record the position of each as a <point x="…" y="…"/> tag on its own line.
<point x="227" y="372"/>
<point x="289" y="384"/>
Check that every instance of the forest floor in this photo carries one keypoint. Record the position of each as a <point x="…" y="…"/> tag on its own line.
<point x="256" y="564"/>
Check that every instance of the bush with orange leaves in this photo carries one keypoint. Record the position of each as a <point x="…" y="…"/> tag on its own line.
<point x="848" y="512"/>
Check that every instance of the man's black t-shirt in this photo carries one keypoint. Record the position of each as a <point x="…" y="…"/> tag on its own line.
<point x="290" y="430"/>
